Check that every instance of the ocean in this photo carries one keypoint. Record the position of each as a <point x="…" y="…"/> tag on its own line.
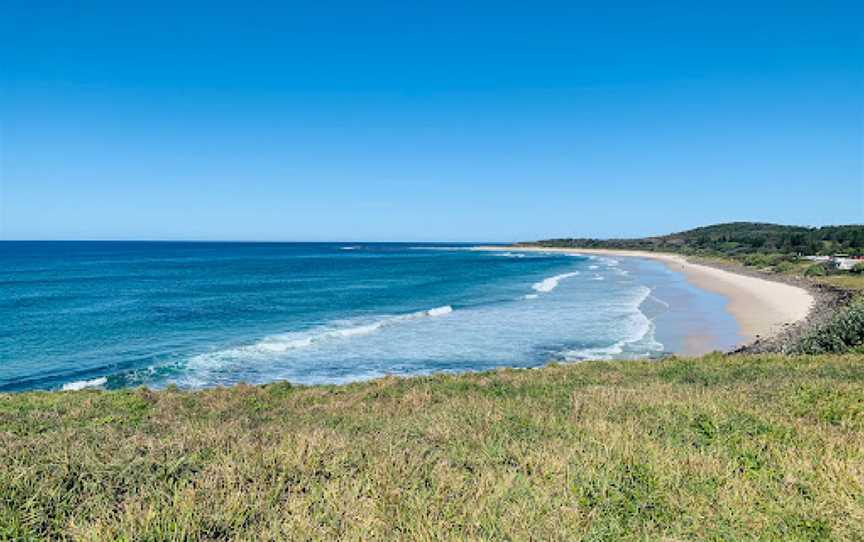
<point x="118" y="314"/>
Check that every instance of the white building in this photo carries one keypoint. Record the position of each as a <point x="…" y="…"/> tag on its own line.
<point x="841" y="262"/>
<point x="846" y="264"/>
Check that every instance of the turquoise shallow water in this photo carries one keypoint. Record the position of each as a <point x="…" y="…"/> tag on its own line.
<point x="116" y="314"/>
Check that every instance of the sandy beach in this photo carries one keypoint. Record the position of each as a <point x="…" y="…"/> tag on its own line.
<point x="761" y="307"/>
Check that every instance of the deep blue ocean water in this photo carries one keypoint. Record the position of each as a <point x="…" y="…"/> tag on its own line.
<point x="116" y="314"/>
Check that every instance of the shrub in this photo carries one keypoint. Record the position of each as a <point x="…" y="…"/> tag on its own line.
<point x="757" y="260"/>
<point x="784" y="267"/>
<point x="778" y="258"/>
<point x="845" y="332"/>
<point x="817" y="270"/>
<point x="858" y="268"/>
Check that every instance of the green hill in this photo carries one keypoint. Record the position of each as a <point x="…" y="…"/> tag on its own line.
<point x="738" y="238"/>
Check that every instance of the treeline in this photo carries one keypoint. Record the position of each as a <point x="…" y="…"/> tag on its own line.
<point x="738" y="240"/>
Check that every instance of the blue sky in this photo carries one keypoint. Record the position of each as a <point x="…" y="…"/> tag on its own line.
<point x="426" y="121"/>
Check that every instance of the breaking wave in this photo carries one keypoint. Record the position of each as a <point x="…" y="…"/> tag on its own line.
<point x="279" y="344"/>
<point x="83" y="384"/>
<point x="509" y="254"/>
<point x="549" y="284"/>
<point x="638" y="342"/>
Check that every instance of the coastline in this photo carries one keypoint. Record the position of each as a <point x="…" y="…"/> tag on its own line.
<point x="762" y="308"/>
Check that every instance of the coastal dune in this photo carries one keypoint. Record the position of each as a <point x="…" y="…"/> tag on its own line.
<point x="761" y="307"/>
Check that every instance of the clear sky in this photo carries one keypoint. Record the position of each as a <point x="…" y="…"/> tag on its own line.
<point x="441" y="120"/>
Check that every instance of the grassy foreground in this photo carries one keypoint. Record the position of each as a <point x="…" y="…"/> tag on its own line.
<point x="719" y="448"/>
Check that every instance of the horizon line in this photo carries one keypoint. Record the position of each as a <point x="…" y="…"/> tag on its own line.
<point x="335" y="242"/>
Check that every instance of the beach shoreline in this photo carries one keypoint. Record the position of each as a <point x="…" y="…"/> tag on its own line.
<point x="762" y="308"/>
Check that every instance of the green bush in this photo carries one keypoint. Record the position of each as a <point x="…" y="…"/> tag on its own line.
<point x="778" y="258"/>
<point x="844" y="333"/>
<point x="858" y="268"/>
<point x="757" y="260"/>
<point x="784" y="267"/>
<point x="817" y="270"/>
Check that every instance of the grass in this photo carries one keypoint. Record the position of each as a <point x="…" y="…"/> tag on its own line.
<point x="841" y="279"/>
<point x="716" y="448"/>
<point x="846" y="281"/>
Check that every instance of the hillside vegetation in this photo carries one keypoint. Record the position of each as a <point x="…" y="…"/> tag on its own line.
<point x="718" y="448"/>
<point x="739" y="240"/>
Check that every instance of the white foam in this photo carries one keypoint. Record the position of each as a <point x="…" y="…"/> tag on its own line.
<point x="276" y="345"/>
<point x="280" y="344"/>
<point x="82" y="384"/>
<point x="597" y="277"/>
<point x="355" y="331"/>
<point x="509" y="254"/>
<point x="349" y="248"/>
<point x="660" y="301"/>
<point x="440" y="311"/>
<point x="530" y="296"/>
<point x="446" y="248"/>
<point x="599" y="353"/>
<point x="437" y="311"/>
<point x="593" y="267"/>
<point x="549" y="284"/>
<point x="641" y="331"/>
